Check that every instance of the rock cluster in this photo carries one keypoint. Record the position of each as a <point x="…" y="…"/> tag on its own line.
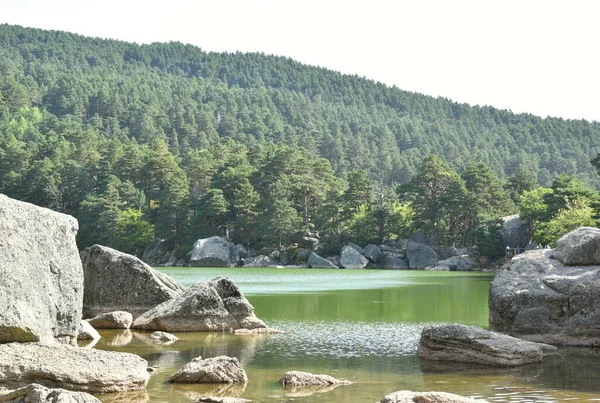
<point x="116" y="281"/>
<point x="542" y="299"/>
<point x="35" y="393"/>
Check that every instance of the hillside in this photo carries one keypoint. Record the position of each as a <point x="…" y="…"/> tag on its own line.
<point x="79" y="116"/>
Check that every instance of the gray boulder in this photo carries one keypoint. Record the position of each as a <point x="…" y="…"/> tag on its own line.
<point x="351" y="259"/>
<point x="218" y="305"/>
<point x="372" y="252"/>
<point x="116" y="281"/>
<point x="163" y="337"/>
<point x="302" y="255"/>
<point x="296" y="379"/>
<point x="154" y="251"/>
<point x="420" y="255"/>
<point x="260" y="261"/>
<point x="394" y="262"/>
<point x="456" y="263"/>
<point x="316" y="261"/>
<point x="87" y="332"/>
<point x="35" y="393"/>
<point x="471" y="344"/>
<point x="38" y="262"/>
<point x="284" y="257"/>
<point x="579" y="247"/>
<point x="214" y="252"/>
<point x="541" y="299"/>
<point x="62" y="366"/>
<point x="419" y="237"/>
<point x="356" y="247"/>
<point x="513" y="232"/>
<point x="112" y="320"/>
<point x="220" y="369"/>
<point x="309" y="243"/>
<point x="407" y="396"/>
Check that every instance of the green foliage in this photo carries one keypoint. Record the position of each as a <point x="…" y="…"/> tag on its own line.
<point x="566" y="220"/>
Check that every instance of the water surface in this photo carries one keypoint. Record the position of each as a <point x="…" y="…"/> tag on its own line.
<point x="360" y="325"/>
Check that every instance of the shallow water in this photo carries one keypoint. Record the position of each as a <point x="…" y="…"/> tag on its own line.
<point x="360" y="325"/>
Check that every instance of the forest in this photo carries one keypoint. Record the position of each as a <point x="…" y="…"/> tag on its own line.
<point x="167" y="140"/>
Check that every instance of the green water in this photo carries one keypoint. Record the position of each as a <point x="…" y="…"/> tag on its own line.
<point x="360" y="325"/>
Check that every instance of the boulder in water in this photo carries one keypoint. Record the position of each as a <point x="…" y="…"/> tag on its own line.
<point x="35" y="393"/>
<point x="316" y="261"/>
<point x="112" y="320"/>
<point x="220" y="369"/>
<point x="295" y="379"/>
<point x="351" y="259"/>
<point x="420" y="256"/>
<point x="407" y="396"/>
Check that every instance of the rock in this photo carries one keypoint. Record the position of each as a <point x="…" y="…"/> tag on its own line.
<point x="217" y="305"/>
<point x="372" y="252"/>
<point x="420" y="256"/>
<point x="437" y="268"/>
<point x="284" y="257"/>
<point x="455" y="263"/>
<point x="302" y="255"/>
<point x="294" y="379"/>
<point x="513" y="233"/>
<point x="419" y="237"/>
<point x="351" y="259"/>
<point x="116" y="281"/>
<point x="462" y="251"/>
<point x="82" y="369"/>
<point x="154" y="250"/>
<point x="356" y="247"/>
<point x="309" y="243"/>
<point x="393" y="262"/>
<point x="112" y="320"/>
<point x="38" y="262"/>
<point x="164" y="337"/>
<point x="316" y="261"/>
<point x="87" y="332"/>
<point x="220" y="369"/>
<point x="217" y="399"/>
<point x="540" y="299"/>
<point x="260" y="261"/>
<point x="448" y="252"/>
<point x="215" y="252"/>
<point x="471" y="344"/>
<point x="580" y="247"/>
<point x="238" y="252"/>
<point x="35" y="393"/>
<point x="407" y="396"/>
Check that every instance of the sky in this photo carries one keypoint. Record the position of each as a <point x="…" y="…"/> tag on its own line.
<point x="533" y="56"/>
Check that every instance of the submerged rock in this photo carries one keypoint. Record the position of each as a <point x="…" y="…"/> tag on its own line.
<point x="218" y="305"/>
<point x="296" y="379"/>
<point x="475" y="345"/>
<point x="112" y="320"/>
<point x="351" y="259"/>
<point x="407" y="396"/>
<point x="316" y="261"/>
<point x="220" y="369"/>
<point x="72" y="368"/>
<point x="38" y="262"/>
<point x="35" y="393"/>
<point x="164" y="337"/>
<point x="540" y="299"/>
<point x="116" y="281"/>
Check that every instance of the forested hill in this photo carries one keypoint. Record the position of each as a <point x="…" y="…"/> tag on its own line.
<point x="92" y="126"/>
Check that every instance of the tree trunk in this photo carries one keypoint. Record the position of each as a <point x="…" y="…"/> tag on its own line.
<point x="306" y="214"/>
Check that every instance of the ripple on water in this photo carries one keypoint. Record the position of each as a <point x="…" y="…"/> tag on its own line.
<point x="345" y="339"/>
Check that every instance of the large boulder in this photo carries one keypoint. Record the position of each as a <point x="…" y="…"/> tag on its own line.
<point x="87" y="331"/>
<point x="420" y="255"/>
<point x="350" y="258"/>
<point x="112" y="320"/>
<point x="215" y="252"/>
<point x="472" y="344"/>
<point x="218" y="305"/>
<point x="296" y="379"/>
<point x="456" y="263"/>
<point x="541" y="299"/>
<point x="220" y="369"/>
<point x="62" y="366"/>
<point x="579" y="247"/>
<point x="35" y="393"/>
<point x="260" y="261"/>
<point x="316" y="261"/>
<point x="407" y="396"/>
<point x="372" y="252"/>
<point x="513" y="232"/>
<point x="394" y="262"/>
<point x="41" y="279"/>
<point x="116" y="281"/>
<point x="358" y="248"/>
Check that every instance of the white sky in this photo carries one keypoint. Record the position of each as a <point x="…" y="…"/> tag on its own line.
<point x="534" y="56"/>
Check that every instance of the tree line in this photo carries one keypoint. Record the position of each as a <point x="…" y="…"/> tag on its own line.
<point x="165" y="140"/>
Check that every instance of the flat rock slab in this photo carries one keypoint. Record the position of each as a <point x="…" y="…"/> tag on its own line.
<point x="475" y="345"/>
<point x="116" y="281"/>
<point x="41" y="287"/>
<point x="112" y="320"/>
<point x="297" y="379"/>
<point x="220" y="369"/>
<point x="218" y="305"/>
<point x="407" y="396"/>
<point x="35" y="393"/>
<point x="72" y="368"/>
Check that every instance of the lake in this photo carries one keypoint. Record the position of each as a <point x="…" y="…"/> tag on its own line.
<point x="360" y="325"/>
